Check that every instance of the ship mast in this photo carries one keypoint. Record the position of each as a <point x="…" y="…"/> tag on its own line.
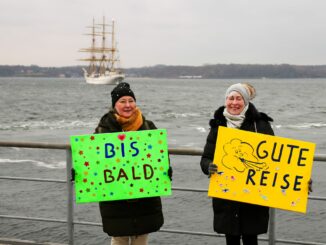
<point x="104" y="58"/>
<point x="92" y="68"/>
<point x="92" y="65"/>
<point x="113" y="48"/>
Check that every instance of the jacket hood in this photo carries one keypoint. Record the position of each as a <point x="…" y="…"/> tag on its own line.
<point x="109" y="121"/>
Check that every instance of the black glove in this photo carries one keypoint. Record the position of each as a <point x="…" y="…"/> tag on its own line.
<point x="72" y="174"/>
<point x="212" y="169"/>
<point x="170" y="172"/>
<point x="309" y="186"/>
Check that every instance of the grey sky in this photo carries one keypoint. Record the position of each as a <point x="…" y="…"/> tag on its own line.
<point x="172" y="32"/>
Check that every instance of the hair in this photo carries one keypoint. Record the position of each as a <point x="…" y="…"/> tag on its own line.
<point x="251" y="90"/>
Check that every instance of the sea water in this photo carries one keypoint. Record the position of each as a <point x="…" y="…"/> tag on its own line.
<point x="51" y="109"/>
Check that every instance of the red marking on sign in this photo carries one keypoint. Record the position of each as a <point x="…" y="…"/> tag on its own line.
<point x="121" y="137"/>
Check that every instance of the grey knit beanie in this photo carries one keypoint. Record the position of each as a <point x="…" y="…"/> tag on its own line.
<point x="238" y="87"/>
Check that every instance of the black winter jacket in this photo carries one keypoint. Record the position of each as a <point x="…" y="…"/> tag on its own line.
<point x="129" y="217"/>
<point x="232" y="217"/>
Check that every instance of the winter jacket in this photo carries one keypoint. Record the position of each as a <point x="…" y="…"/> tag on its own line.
<point x="232" y="217"/>
<point x="129" y="217"/>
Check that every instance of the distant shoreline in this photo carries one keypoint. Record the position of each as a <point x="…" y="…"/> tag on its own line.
<point x="218" y="71"/>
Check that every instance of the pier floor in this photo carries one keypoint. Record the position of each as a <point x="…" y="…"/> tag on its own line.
<point x="10" y="241"/>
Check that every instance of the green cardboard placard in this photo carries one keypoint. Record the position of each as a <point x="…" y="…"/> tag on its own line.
<point x="119" y="166"/>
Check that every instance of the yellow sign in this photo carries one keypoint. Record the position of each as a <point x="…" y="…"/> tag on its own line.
<point x="262" y="169"/>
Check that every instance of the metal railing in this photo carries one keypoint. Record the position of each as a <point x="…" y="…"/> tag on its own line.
<point x="173" y="151"/>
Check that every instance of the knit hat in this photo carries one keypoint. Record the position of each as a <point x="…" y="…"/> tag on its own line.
<point x="241" y="89"/>
<point x="122" y="89"/>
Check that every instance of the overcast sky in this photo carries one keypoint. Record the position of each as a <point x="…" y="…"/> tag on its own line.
<point x="171" y="32"/>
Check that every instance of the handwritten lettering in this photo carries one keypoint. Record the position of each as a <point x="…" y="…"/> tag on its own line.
<point x="110" y="152"/>
<point x="264" y="178"/>
<point x="146" y="173"/>
<point x="282" y="153"/>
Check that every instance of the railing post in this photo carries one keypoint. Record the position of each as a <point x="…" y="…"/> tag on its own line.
<point x="70" y="202"/>
<point x="271" y="229"/>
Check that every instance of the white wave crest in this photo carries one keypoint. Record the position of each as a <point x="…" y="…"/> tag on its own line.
<point x="302" y="126"/>
<point x="182" y="115"/>
<point x="201" y="129"/>
<point x="54" y="165"/>
<point x="62" y="124"/>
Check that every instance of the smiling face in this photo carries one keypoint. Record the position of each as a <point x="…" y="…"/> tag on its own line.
<point x="234" y="103"/>
<point x="125" y="106"/>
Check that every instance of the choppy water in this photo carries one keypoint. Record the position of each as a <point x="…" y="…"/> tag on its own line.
<point x="50" y="110"/>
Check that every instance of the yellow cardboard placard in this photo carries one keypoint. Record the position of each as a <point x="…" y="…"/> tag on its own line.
<point x="262" y="169"/>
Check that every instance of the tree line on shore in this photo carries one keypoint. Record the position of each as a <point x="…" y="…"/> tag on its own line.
<point x="167" y="71"/>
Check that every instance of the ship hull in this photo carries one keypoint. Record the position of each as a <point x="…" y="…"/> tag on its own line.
<point x="105" y="79"/>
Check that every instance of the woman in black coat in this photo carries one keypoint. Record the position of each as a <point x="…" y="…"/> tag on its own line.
<point x="128" y="221"/>
<point x="237" y="220"/>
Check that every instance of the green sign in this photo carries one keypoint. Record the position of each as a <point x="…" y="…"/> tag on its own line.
<point x="118" y="166"/>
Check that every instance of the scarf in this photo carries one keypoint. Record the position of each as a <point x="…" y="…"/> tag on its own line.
<point x="235" y="121"/>
<point x="132" y="123"/>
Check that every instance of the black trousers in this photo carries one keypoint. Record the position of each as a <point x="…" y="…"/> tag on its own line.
<point x="246" y="240"/>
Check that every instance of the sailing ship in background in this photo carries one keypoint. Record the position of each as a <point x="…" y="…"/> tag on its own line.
<point x="103" y="61"/>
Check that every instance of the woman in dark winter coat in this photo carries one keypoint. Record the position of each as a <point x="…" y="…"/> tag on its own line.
<point x="128" y="221"/>
<point x="236" y="219"/>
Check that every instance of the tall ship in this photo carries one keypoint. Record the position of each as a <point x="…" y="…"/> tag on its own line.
<point x="103" y="57"/>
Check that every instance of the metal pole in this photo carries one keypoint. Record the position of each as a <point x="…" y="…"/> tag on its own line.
<point x="271" y="229"/>
<point x="70" y="203"/>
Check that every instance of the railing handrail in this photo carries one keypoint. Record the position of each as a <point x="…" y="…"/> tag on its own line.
<point x="316" y="198"/>
<point x="173" y="151"/>
<point x="39" y="145"/>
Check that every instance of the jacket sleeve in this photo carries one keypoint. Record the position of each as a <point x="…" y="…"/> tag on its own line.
<point x="209" y="150"/>
<point x="151" y="125"/>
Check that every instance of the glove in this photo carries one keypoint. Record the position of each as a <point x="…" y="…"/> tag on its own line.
<point x="309" y="186"/>
<point x="170" y="172"/>
<point x="212" y="169"/>
<point x="72" y="174"/>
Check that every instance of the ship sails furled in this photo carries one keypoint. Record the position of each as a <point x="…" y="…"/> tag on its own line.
<point x="103" y="60"/>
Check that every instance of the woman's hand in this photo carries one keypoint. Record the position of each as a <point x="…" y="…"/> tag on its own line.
<point x="309" y="186"/>
<point x="212" y="169"/>
<point x="72" y="174"/>
<point x="170" y="172"/>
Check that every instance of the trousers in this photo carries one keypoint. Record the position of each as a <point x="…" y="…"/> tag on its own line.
<point x="130" y="240"/>
<point x="246" y="240"/>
